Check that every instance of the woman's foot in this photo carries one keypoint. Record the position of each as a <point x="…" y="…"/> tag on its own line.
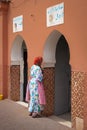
<point x="30" y="114"/>
<point x="36" y="115"/>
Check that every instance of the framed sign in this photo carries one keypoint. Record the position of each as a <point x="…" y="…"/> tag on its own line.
<point x="55" y="15"/>
<point x="18" y="23"/>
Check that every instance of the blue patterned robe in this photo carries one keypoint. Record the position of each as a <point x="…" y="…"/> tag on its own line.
<point x="36" y="75"/>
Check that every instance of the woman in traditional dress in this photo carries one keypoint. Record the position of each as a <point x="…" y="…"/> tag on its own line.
<point x="35" y="90"/>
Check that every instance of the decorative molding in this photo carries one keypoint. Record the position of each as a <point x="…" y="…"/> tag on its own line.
<point x="46" y="65"/>
<point x="15" y="62"/>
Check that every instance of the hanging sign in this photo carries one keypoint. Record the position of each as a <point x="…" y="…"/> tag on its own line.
<point x="55" y="15"/>
<point x="18" y="23"/>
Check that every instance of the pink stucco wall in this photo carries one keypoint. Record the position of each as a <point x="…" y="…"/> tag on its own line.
<point x="35" y="31"/>
<point x="3" y="50"/>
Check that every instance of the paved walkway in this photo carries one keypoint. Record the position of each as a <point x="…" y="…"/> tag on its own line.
<point x="14" y="116"/>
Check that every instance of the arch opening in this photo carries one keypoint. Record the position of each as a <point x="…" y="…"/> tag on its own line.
<point x="18" y="69"/>
<point x="56" y="57"/>
<point x="62" y="79"/>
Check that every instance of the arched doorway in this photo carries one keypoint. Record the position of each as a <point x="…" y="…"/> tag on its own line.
<point x="18" y="69"/>
<point x="56" y="59"/>
<point x="62" y="77"/>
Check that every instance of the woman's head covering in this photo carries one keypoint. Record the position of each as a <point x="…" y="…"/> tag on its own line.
<point x="38" y="60"/>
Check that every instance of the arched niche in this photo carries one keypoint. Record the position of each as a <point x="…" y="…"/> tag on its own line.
<point x="50" y="48"/>
<point x="19" y="69"/>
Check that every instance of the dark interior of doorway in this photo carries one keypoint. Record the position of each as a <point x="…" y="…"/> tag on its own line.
<point x="25" y="73"/>
<point x="62" y="80"/>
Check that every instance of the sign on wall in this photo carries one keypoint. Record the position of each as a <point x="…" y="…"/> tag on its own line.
<point x="18" y="23"/>
<point x="55" y="15"/>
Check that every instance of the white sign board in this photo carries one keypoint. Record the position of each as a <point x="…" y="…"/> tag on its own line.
<point x="18" y="23"/>
<point x="55" y="15"/>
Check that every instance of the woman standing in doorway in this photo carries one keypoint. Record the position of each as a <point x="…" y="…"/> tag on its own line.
<point x="35" y="90"/>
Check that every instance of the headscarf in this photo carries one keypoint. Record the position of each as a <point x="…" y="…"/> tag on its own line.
<point x="38" y="60"/>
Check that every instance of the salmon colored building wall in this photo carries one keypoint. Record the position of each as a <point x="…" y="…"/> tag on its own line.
<point x="35" y="32"/>
<point x="3" y="49"/>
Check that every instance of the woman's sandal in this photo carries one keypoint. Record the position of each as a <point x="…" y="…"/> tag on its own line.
<point x="30" y="114"/>
<point x="36" y="115"/>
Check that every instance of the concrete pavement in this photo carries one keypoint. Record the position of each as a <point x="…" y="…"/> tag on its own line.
<point x="14" y="116"/>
